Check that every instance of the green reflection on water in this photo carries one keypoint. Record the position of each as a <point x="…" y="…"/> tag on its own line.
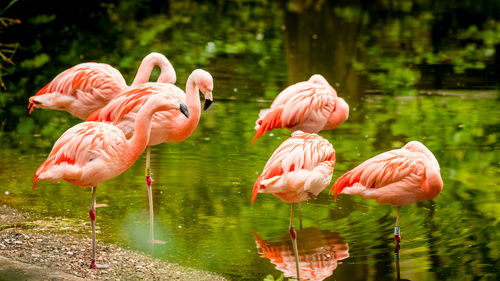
<point x="202" y="192"/>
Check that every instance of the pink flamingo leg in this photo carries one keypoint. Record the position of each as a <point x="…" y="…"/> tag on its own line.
<point x="92" y="222"/>
<point x="149" y="182"/>
<point x="397" y="235"/>
<point x="300" y="215"/>
<point x="293" y="235"/>
<point x="396" y="259"/>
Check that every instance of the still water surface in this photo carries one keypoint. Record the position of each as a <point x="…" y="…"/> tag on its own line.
<point x="202" y="190"/>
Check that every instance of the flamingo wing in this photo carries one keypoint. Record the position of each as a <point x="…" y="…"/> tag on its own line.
<point x="395" y="166"/>
<point x="77" y="147"/>
<point x="131" y="101"/>
<point x="310" y="107"/>
<point x="299" y="153"/>
<point x="121" y="105"/>
<point x="87" y="82"/>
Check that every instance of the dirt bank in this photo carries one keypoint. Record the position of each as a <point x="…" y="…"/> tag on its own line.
<point x="35" y="248"/>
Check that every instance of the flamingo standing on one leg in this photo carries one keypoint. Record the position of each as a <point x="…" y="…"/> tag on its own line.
<point x="92" y="152"/>
<point x="309" y="106"/>
<point x="86" y="87"/>
<point x="398" y="177"/>
<point x="167" y="126"/>
<point x="298" y="170"/>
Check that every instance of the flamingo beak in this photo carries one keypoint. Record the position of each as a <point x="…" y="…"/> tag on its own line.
<point x="207" y="104"/>
<point x="183" y="108"/>
<point x="208" y="100"/>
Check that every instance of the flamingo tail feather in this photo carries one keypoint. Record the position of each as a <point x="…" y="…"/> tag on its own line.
<point x="271" y="120"/>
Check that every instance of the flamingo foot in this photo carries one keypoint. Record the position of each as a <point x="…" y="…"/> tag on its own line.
<point x="154" y="241"/>
<point x="98" y="266"/>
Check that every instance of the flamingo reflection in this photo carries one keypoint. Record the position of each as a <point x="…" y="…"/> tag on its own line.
<point x="318" y="251"/>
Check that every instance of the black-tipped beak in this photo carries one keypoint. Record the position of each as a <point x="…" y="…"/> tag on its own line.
<point x="207" y="104"/>
<point x="184" y="110"/>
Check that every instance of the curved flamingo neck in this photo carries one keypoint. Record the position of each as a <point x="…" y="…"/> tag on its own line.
<point x="142" y="127"/>
<point x="433" y="182"/>
<point x="167" y="74"/>
<point x="339" y="115"/>
<point x="193" y="99"/>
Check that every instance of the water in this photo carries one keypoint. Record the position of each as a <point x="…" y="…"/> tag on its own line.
<point x="202" y="193"/>
<point x="202" y="186"/>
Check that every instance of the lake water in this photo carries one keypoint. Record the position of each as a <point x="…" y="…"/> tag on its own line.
<point x="202" y="193"/>
<point x="202" y="186"/>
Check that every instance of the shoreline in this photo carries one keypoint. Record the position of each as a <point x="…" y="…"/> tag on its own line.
<point x="37" y="248"/>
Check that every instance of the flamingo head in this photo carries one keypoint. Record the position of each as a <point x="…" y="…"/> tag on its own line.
<point x="50" y="101"/>
<point x="206" y="85"/>
<point x="416" y="146"/>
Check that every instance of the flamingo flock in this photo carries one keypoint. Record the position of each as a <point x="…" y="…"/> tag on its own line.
<point x="122" y="121"/>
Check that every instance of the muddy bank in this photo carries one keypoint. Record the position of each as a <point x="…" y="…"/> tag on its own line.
<point x="35" y="248"/>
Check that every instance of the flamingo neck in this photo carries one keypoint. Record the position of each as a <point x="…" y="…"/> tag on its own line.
<point x="433" y="180"/>
<point x="193" y="101"/>
<point x="338" y="115"/>
<point x="167" y="74"/>
<point x="139" y="140"/>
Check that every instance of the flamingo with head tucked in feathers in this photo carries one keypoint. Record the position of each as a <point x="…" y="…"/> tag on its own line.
<point x="166" y="126"/>
<point x="310" y="106"/>
<point x="398" y="177"/>
<point x="298" y="170"/>
<point x="92" y="152"/>
<point x="86" y="87"/>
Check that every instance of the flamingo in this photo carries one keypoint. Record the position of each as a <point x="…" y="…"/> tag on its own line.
<point x="309" y="106"/>
<point x="167" y="126"/>
<point x="92" y="152"/>
<point x="397" y="177"/>
<point x="298" y="170"/>
<point x="86" y="87"/>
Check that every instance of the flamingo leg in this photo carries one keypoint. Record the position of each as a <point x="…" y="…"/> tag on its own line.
<point x="92" y="222"/>
<point x="149" y="182"/>
<point x="293" y="235"/>
<point x="397" y="235"/>
<point x="396" y="258"/>
<point x="300" y="215"/>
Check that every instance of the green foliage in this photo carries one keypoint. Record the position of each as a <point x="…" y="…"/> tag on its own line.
<point x="7" y="50"/>
<point x="394" y="47"/>
<point x="36" y="62"/>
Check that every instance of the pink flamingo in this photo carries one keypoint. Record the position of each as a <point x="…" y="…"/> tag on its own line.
<point x="86" y="87"/>
<point x="309" y="106"/>
<point x="298" y="170"/>
<point x="398" y="177"/>
<point x="166" y="126"/>
<point x="92" y="152"/>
